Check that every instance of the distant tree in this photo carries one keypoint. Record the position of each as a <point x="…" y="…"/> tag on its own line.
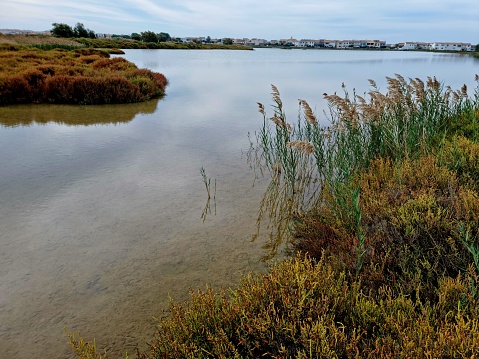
<point x="149" y="36"/>
<point x="135" y="36"/>
<point x="163" y="37"/>
<point x="91" y="34"/>
<point x="62" y="30"/>
<point x="80" y="31"/>
<point x="208" y="40"/>
<point x="477" y="47"/>
<point x="228" y="41"/>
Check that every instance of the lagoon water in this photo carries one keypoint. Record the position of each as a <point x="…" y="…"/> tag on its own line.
<point x="100" y="207"/>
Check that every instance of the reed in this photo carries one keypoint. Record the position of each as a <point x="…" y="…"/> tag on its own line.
<point x="207" y="183"/>
<point x="410" y="120"/>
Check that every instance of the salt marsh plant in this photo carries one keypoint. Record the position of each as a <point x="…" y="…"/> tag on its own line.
<point x="81" y="76"/>
<point x="306" y="309"/>
<point x="313" y="166"/>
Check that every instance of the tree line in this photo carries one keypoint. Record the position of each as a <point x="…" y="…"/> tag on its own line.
<point x="65" y="30"/>
<point x="150" y="36"/>
<point x="79" y="30"/>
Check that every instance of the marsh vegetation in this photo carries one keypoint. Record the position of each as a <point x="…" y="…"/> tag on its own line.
<point x="80" y="76"/>
<point x="380" y="210"/>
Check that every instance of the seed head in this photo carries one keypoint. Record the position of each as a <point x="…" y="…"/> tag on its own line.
<point x="302" y="146"/>
<point x="308" y="113"/>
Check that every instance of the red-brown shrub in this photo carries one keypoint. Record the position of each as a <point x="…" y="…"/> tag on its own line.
<point x="85" y="76"/>
<point x="90" y="51"/>
<point x="14" y="89"/>
<point x="115" y="64"/>
<point x="59" y="89"/>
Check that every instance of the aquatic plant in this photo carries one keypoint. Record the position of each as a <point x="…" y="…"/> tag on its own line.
<point x="207" y="182"/>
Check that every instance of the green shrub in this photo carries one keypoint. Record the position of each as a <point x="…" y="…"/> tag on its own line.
<point x="303" y="309"/>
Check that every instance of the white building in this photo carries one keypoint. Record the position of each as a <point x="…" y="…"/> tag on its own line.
<point x="409" y="46"/>
<point x="305" y="43"/>
<point x="451" y="46"/>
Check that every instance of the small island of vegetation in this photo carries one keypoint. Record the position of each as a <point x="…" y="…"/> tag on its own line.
<point x="81" y="76"/>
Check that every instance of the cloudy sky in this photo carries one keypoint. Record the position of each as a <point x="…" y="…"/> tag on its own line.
<point x="390" y="20"/>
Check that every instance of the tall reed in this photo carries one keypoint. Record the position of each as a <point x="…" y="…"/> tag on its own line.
<point x="411" y="119"/>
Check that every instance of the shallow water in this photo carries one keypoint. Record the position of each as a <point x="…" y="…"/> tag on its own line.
<point x="100" y="207"/>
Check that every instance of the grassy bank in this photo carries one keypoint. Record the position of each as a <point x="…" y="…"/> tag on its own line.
<point x="380" y="210"/>
<point x="47" y="42"/>
<point x="81" y="76"/>
<point x="134" y="44"/>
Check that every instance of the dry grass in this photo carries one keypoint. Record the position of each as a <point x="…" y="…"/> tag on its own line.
<point x="38" y="40"/>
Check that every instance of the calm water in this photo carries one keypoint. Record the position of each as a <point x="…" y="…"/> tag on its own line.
<point x="100" y="207"/>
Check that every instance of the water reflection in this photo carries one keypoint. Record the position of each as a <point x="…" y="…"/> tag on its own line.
<point x="74" y="115"/>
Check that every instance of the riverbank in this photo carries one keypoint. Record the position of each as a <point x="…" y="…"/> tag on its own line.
<point x="80" y="76"/>
<point x="386" y="259"/>
<point x="47" y="42"/>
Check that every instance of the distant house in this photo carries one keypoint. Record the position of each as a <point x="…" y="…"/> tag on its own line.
<point x="243" y="41"/>
<point x="288" y="42"/>
<point x="306" y="43"/>
<point x="104" y="36"/>
<point x="375" y="44"/>
<point x="188" y="40"/>
<point x="257" y="42"/>
<point x="344" y="44"/>
<point x="330" y="43"/>
<point x="451" y="46"/>
<point x="370" y="44"/>
<point x="423" y="45"/>
<point x="359" y="44"/>
<point x="409" y="46"/>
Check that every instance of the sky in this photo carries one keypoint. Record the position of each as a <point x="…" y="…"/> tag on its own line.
<point x="390" y="20"/>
